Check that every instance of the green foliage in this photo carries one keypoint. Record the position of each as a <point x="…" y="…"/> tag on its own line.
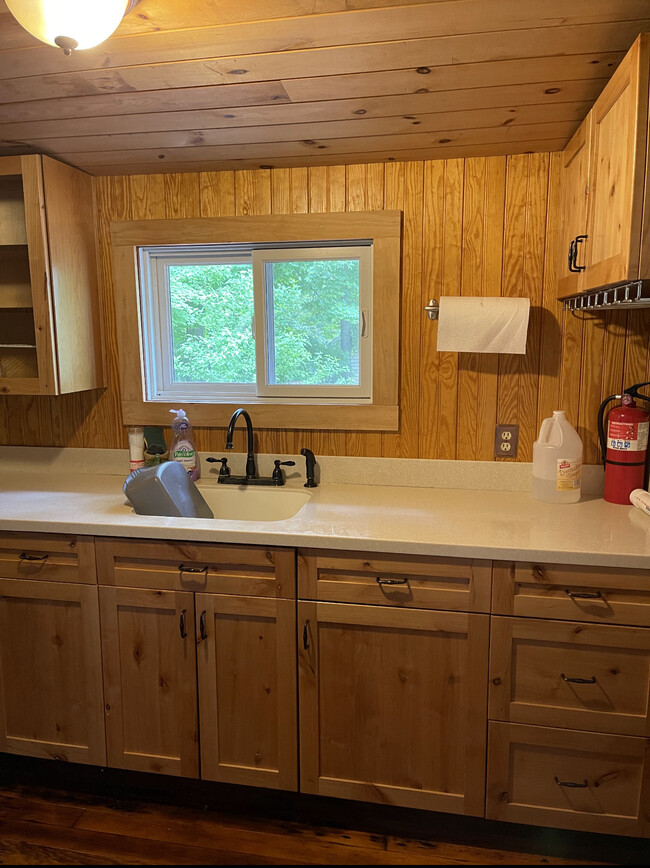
<point x="315" y="334"/>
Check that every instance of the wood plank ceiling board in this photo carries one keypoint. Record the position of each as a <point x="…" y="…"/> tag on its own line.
<point x="213" y="85"/>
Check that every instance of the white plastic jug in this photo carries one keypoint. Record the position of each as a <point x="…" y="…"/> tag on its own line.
<point x="557" y="461"/>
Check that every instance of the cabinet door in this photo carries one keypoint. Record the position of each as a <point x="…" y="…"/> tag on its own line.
<point x="247" y="690"/>
<point x="573" y="208"/>
<point x="618" y="152"/>
<point x="393" y="705"/>
<point x="51" y="702"/>
<point x="148" y="644"/>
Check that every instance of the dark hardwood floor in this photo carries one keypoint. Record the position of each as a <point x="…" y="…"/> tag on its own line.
<point x="57" y="814"/>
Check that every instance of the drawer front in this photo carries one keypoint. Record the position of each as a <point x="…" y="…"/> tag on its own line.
<point x="578" y="676"/>
<point x="48" y="557"/>
<point x="604" y="595"/>
<point x="257" y="571"/>
<point x="571" y="780"/>
<point x="453" y="584"/>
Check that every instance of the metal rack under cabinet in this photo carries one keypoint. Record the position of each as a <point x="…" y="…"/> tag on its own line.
<point x="625" y="294"/>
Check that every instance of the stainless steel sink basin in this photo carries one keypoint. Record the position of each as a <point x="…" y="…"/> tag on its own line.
<point x="252" y="502"/>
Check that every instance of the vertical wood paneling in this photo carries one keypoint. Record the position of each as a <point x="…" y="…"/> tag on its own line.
<point x="479" y="226"/>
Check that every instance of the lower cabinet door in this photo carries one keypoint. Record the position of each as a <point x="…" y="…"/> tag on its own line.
<point x="149" y="657"/>
<point x="246" y="658"/>
<point x="568" y="779"/>
<point x="51" y="702"/>
<point x="393" y="705"/>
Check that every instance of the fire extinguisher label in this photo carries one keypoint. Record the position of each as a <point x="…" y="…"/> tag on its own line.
<point x="627" y="436"/>
<point x="569" y="474"/>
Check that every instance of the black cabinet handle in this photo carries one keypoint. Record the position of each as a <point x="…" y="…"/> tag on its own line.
<point x="25" y="557"/>
<point x="591" y="680"/>
<point x="575" y="596"/>
<point x="182" y="624"/>
<point x="578" y="240"/>
<point x="305" y="635"/>
<point x="183" y="569"/>
<point x="570" y="783"/>
<point x="381" y="581"/>
<point x="202" y="630"/>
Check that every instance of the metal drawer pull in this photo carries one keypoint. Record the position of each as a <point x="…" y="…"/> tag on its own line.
<point x="202" y="629"/>
<point x="305" y="635"/>
<point x="182" y="624"/>
<point x="596" y="596"/>
<point x="381" y="581"/>
<point x="183" y="569"/>
<point x="25" y="557"/>
<point x="570" y="783"/>
<point x="591" y="680"/>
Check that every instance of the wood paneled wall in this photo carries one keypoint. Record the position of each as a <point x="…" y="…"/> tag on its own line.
<point x="475" y="226"/>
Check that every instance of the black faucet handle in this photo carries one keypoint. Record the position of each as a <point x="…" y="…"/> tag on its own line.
<point x="224" y="470"/>
<point x="277" y="474"/>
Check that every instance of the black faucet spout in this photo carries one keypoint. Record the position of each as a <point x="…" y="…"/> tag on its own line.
<point x="251" y="469"/>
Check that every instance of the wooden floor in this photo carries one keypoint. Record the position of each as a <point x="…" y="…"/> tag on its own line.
<point x="105" y="818"/>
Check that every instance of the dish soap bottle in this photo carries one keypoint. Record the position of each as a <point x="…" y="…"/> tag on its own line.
<point x="557" y="461"/>
<point x="182" y="447"/>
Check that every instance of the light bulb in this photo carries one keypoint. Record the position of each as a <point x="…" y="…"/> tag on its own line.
<point x="69" y="24"/>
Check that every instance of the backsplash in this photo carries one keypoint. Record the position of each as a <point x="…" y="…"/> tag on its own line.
<point x="476" y="226"/>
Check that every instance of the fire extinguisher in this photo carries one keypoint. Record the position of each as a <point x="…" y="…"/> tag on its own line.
<point x="624" y="446"/>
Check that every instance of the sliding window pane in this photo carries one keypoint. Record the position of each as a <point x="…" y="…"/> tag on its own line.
<point x="212" y="313"/>
<point x="312" y="309"/>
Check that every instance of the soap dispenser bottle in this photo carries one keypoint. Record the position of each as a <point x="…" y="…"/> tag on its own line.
<point x="182" y="448"/>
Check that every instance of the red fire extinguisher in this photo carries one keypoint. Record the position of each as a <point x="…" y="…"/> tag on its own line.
<point x="624" y="445"/>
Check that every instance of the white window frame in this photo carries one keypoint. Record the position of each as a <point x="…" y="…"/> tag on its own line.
<point x="157" y="322"/>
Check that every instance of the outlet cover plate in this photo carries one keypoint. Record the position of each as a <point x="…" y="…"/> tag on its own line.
<point x="506" y="440"/>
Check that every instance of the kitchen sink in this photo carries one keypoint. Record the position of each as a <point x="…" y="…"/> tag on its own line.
<point x="253" y="503"/>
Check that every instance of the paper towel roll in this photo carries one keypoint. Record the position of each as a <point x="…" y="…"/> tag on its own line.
<point x="474" y="324"/>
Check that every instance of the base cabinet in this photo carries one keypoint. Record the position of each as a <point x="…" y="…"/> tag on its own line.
<point x="392" y="705"/>
<point x="51" y="703"/>
<point x="200" y="684"/>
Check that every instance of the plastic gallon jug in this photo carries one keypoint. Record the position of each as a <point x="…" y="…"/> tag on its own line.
<point x="557" y="461"/>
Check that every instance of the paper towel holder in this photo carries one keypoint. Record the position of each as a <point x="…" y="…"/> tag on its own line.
<point x="432" y="309"/>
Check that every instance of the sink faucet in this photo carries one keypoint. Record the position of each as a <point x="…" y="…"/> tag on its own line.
<point x="251" y="469"/>
<point x="310" y="464"/>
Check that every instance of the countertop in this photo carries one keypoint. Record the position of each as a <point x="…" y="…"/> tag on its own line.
<point x="406" y="519"/>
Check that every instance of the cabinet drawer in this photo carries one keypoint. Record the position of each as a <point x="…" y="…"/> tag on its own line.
<point x="572" y="780"/>
<point x="454" y="584"/>
<point x="579" y="676"/>
<point x="47" y="557"/>
<point x="575" y="593"/>
<point x="257" y="571"/>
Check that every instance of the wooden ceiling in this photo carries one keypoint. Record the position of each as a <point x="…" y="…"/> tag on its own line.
<point x="188" y="85"/>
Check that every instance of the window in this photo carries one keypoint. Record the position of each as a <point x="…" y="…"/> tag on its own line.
<point x="241" y="321"/>
<point x="325" y="350"/>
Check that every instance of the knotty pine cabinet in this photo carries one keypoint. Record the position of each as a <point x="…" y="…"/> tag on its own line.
<point x="51" y="700"/>
<point x="603" y="218"/>
<point x="568" y="737"/>
<point x="49" y="311"/>
<point x="199" y="680"/>
<point x="393" y="678"/>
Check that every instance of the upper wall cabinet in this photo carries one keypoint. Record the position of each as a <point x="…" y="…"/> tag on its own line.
<point x="603" y="184"/>
<point x="49" y="312"/>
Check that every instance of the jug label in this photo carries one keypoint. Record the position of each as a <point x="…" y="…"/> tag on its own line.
<point x="628" y="436"/>
<point x="569" y="474"/>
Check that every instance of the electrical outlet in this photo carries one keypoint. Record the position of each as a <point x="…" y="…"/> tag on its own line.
<point x="506" y="438"/>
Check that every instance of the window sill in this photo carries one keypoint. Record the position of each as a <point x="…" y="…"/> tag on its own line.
<point x="329" y="417"/>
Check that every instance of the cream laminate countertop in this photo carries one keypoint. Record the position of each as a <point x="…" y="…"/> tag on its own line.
<point x="414" y="519"/>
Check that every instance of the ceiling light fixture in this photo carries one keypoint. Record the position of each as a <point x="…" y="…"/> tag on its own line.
<point x="70" y="24"/>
